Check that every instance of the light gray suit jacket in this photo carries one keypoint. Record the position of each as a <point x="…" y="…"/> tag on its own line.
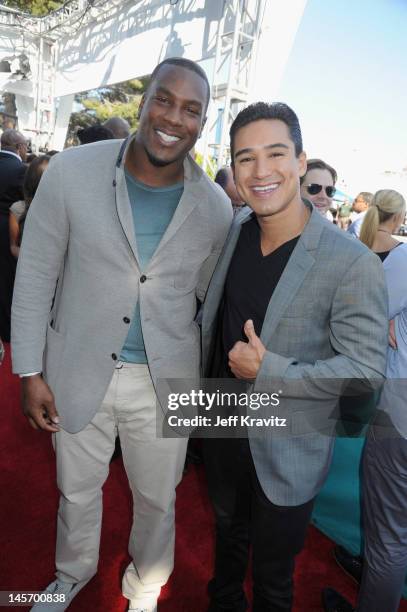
<point x="80" y="230"/>
<point x="326" y="324"/>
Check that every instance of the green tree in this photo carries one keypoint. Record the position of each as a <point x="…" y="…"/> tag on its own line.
<point x="37" y="8"/>
<point x="210" y="165"/>
<point x="119" y="100"/>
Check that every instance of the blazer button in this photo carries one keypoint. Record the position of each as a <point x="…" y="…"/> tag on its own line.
<point x="143" y="278"/>
<point x="114" y="356"/>
<point x="126" y="319"/>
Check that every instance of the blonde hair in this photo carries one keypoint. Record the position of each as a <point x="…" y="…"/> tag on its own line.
<point x="385" y="204"/>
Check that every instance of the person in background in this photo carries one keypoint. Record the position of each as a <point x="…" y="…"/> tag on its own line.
<point x="360" y="205"/>
<point x="224" y="178"/>
<point x="344" y="215"/>
<point x="18" y="210"/>
<point x="118" y="126"/>
<point x="94" y="133"/>
<point x="318" y="186"/>
<point x="383" y="219"/>
<point x="385" y="467"/>
<point x="12" y="170"/>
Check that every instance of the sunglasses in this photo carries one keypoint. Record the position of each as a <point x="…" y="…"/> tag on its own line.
<point x="314" y="188"/>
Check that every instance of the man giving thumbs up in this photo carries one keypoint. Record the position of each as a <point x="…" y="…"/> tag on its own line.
<point x="281" y="314"/>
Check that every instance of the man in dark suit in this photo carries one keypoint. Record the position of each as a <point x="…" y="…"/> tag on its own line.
<point x="12" y="170"/>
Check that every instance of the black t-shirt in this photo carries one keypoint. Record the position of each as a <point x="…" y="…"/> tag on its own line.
<point x="250" y="283"/>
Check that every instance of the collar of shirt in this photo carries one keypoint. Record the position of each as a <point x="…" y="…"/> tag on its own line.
<point x="12" y="153"/>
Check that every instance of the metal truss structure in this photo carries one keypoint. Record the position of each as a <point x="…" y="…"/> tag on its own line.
<point x="236" y="46"/>
<point x="236" y="43"/>
<point x="65" y="21"/>
<point x="42" y="34"/>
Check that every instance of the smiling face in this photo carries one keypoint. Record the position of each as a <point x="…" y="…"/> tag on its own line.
<point x="172" y="115"/>
<point x="320" y="200"/>
<point x="267" y="171"/>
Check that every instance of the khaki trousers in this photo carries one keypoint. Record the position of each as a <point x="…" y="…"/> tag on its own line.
<point x="154" y="468"/>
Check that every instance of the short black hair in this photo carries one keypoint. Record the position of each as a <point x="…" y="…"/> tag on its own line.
<point x="94" y="133"/>
<point x="222" y="177"/>
<point x="319" y="164"/>
<point x="263" y="110"/>
<point x="183" y="62"/>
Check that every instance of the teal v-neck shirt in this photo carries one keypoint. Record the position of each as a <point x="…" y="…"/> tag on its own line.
<point x="152" y="209"/>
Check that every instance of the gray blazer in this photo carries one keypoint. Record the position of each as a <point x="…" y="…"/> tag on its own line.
<point x="325" y="324"/>
<point x="80" y="232"/>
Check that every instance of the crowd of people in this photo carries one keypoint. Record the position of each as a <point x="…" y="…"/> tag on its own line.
<point x="248" y="280"/>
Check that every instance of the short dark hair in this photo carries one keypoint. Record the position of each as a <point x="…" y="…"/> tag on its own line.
<point x="94" y="133"/>
<point x="183" y="62"/>
<point x="222" y="177"/>
<point x="11" y="139"/>
<point x="314" y="164"/>
<point x="263" y="110"/>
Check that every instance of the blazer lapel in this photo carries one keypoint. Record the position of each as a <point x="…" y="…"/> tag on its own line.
<point x="291" y="280"/>
<point x="295" y="272"/>
<point x="193" y="193"/>
<point x="123" y="205"/>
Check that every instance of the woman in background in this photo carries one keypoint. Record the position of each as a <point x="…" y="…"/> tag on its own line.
<point x="18" y="210"/>
<point x="382" y="220"/>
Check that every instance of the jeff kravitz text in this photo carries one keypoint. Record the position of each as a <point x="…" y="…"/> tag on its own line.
<point x="210" y="401"/>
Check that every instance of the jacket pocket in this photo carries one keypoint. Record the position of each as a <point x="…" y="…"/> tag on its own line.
<point x="192" y="260"/>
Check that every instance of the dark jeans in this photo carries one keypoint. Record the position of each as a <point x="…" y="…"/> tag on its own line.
<point x="244" y="516"/>
<point x="385" y="522"/>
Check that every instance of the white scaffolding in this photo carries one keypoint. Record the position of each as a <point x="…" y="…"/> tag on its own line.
<point x="235" y="57"/>
<point x="41" y="34"/>
<point x="123" y="39"/>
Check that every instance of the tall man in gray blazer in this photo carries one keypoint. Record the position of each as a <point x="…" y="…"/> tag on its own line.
<point x="129" y="232"/>
<point x="281" y="314"/>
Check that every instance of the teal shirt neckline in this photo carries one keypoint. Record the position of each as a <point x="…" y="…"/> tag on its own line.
<point x="149" y="188"/>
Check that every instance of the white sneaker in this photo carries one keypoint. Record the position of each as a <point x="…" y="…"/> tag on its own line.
<point x="60" y="594"/>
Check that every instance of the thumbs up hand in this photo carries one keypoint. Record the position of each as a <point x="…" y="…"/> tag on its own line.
<point x="245" y="357"/>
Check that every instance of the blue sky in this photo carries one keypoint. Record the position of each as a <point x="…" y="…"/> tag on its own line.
<point x="347" y="80"/>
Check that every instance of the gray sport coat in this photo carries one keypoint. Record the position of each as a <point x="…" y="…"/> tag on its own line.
<point x="80" y="232"/>
<point x="326" y="324"/>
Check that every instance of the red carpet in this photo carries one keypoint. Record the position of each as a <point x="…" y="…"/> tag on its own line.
<point x="28" y="518"/>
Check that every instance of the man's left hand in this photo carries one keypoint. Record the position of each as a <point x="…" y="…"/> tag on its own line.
<point x="245" y="357"/>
